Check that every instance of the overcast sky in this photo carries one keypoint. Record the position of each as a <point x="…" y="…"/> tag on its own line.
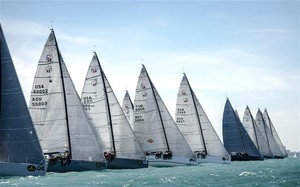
<point x="247" y="51"/>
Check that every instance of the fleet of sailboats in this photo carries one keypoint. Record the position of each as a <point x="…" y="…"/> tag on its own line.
<point x="236" y="139"/>
<point x="66" y="136"/>
<point x="196" y="128"/>
<point x="119" y="144"/>
<point x="155" y="128"/>
<point x="20" y="150"/>
<point x="61" y="132"/>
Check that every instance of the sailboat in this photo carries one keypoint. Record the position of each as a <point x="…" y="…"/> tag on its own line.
<point x="236" y="139"/>
<point x="127" y="107"/>
<point x="66" y="136"/>
<point x="266" y="132"/>
<point x="119" y="144"/>
<point x="155" y="128"/>
<point x="274" y="133"/>
<point x="255" y="134"/>
<point x="20" y="153"/>
<point x="196" y="128"/>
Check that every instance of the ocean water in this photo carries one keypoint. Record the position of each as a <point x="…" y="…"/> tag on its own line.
<point x="281" y="172"/>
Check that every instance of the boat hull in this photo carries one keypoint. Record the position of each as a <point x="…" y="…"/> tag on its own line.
<point x="248" y="158"/>
<point x="22" y="169"/>
<point x="125" y="163"/>
<point x="174" y="161"/>
<point x="76" y="165"/>
<point x="214" y="159"/>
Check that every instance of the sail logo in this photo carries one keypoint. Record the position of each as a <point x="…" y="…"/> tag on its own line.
<point x="143" y="85"/>
<point x="49" y="58"/>
<point x="31" y="168"/>
<point x="185" y="100"/>
<point x="183" y="92"/>
<point x="48" y="69"/>
<point x="126" y="106"/>
<point x="94" y="82"/>
<point x="94" y="69"/>
<point x="150" y="141"/>
<point x="145" y="94"/>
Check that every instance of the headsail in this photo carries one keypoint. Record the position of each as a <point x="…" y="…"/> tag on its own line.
<point x="127" y="107"/>
<point x="194" y="124"/>
<point x="274" y="133"/>
<point x="153" y="124"/>
<point x="235" y="137"/>
<point x="18" y="138"/>
<point x="255" y="134"/>
<point x="106" y="115"/>
<point x="266" y="132"/>
<point x="56" y="109"/>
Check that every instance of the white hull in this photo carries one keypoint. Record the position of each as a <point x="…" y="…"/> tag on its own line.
<point x="22" y="169"/>
<point x="214" y="159"/>
<point x="174" y="161"/>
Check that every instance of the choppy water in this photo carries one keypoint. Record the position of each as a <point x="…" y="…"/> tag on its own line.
<point x="280" y="172"/>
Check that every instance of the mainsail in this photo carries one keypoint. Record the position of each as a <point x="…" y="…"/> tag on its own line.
<point x="255" y="134"/>
<point x="56" y="110"/>
<point x="194" y="124"/>
<point x="236" y="139"/>
<point x="18" y="138"/>
<point x="106" y="115"/>
<point x="274" y="132"/>
<point x="266" y="132"/>
<point x="127" y="107"/>
<point x="153" y="124"/>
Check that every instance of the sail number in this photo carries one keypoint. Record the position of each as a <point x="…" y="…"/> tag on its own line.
<point x="138" y="118"/>
<point x="40" y="89"/>
<point x="180" y="111"/>
<point x="179" y="120"/>
<point x="38" y="101"/>
<point x="139" y="107"/>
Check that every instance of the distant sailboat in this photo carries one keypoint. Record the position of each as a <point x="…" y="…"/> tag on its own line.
<point x="196" y="127"/>
<point x="155" y="128"/>
<point x="127" y="107"/>
<point x="266" y="132"/>
<point x="64" y="131"/>
<point x="236" y="140"/>
<point x="274" y="133"/>
<point x="255" y="134"/>
<point x="20" y="151"/>
<point x="120" y="146"/>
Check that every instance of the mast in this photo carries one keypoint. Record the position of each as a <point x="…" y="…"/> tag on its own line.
<point x="108" y="108"/>
<point x="238" y="126"/>
<point x="198" y="119"/>
<point x="162" y="123"/>
<point x="64" y="94"/>
<point x="264" y="124"/>
<point x="253" y="121"/>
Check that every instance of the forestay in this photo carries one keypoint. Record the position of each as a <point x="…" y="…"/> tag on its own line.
<point x="56" y="109"/>
<point x="106" y="115"/>
<point x="153" y="124"/>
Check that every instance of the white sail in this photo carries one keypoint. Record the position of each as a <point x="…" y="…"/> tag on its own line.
<point x="267" y="134"/>
<point x="194" y="124"/>
<point x="255" y="134"/>
<point x="274" y="132"/>
<point x="103" y="108"/>
<point x="56" y="109"/>
<point x="153" y="124"/>
<point x="127" y="107"/>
